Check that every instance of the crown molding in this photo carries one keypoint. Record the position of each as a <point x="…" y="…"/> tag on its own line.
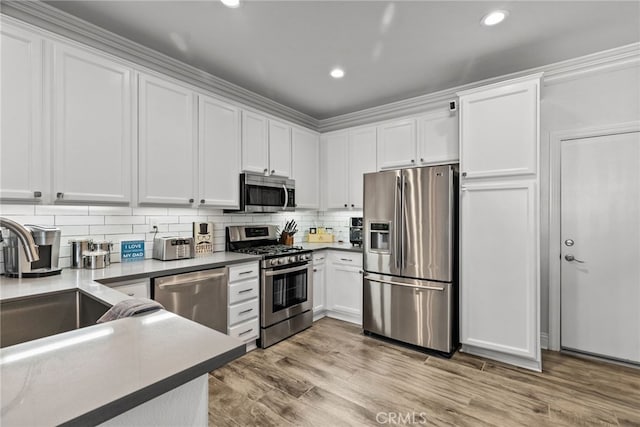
<point x="605" y="61"/>
<point x="61" y="23"/>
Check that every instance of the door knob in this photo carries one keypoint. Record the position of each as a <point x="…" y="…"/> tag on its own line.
<point x="572" y="258"/>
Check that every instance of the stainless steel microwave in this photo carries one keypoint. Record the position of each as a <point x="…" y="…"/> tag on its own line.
<point x="259" y="193"/>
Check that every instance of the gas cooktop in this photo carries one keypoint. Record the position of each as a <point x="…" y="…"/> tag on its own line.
<point x="275" y="249"/>
<point x="263" y="240"/>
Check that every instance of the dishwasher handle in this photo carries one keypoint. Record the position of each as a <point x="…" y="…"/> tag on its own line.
<point x="190" y="282"/>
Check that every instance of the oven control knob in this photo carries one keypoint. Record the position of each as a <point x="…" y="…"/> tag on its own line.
<point x="292" y="259"/>
<point x="282" y="260"/>
<point x="304" y="257"/>
<point x="273" y="262"/>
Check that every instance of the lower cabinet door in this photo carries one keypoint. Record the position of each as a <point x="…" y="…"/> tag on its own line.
<point x="499" y="268"/>
<point x="319" y="274"/>
<point x="344" y="291"/>
<point x="246" y="331"/>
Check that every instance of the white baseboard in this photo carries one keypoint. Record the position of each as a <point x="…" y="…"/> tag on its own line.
<point x="544" y="340"/>
<point x="351" y="318"/>
<point x="522" y="362"/>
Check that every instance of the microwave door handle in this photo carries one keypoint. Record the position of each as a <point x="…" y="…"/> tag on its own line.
<point x="286" y="197"/>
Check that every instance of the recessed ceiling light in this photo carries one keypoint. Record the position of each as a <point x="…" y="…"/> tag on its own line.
<point x="337" y="73"/>
<point x="231" y="3"/>
<point x="494" y="18"/>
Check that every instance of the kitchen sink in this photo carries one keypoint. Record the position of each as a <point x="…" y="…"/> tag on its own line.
<point x="39" y="316"/>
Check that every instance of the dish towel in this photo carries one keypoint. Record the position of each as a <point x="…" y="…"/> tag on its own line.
<point x="128" y="308"/>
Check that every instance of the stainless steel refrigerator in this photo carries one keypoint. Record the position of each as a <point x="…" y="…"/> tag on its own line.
<point x="409" y="286"/>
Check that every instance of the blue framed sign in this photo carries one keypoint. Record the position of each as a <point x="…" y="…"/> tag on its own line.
<point x="132" y="250"/>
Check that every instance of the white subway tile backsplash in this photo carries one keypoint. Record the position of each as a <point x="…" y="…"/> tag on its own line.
<point x="162" y="219"/>
<point x="191" y="219"/>
<point x="62" y="210"/>
<point x="33" y="219"/>
<point x="110" y="210"/>
<point x="111" y="229"/>
<point x="182" y="211"/>
<point x="180" y="227"/>
<point x="150" y="211"/>
<point x="74" y="230"/>
<point x="123" y="219"/>
<point x="7" y="209"/>
<point x="79" y="220"/>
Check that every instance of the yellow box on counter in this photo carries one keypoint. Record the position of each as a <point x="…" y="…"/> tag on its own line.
<point x="320" y="238"/>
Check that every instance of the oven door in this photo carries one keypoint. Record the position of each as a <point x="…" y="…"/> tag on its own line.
<point x="286" y="292"/>
<point x="267" y="194"/>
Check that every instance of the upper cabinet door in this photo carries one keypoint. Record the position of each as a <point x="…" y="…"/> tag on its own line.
<point x="437" y="138"/>
<point x="219" y="153"/>
<point x="279" y="149"/>
<point x="92" y="127"/>
<point x="499" y="130"/>
<point x="22" y="145"/>
<point x="362" y="159"/>
<point x="255" y="145"/>
<point x="335" y="160"/>
<point x="397" y="144"/>
<point x="305" y="149"/>
<point x="167" y="143"/>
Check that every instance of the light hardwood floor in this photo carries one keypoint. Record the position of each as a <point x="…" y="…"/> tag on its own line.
<point x="333" y="375"/>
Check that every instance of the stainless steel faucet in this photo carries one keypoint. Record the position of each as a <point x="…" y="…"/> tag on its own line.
<point x="24" y="236"/>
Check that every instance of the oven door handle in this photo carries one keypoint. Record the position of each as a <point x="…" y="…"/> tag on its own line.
<point x="270" y="273"/>
<point x="286" y="197"/>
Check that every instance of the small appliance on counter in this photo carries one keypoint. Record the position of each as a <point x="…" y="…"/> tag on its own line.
<point x="78" y="248"/>
<point x="172" y="248"/>
<point x="320" y="235"/>
<point x="47" y="240"/>
<point x="203" y="238"/>
<point x="355" y="231"/>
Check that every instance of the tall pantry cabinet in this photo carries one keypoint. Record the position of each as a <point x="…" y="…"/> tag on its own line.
<point x="499" y="222"/>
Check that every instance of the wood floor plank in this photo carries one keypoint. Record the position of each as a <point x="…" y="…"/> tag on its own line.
<point x="333" y="375"/>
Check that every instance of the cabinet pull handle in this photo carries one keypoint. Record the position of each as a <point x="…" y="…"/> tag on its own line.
<point x="246" y="311"/>
<point x="202" y="201"/>
<point x="245" y="332"/>
<point x="60" y="195"/>
<point x="245" y="290"/>
<point x="245" y="272"/>
<point x="190" y="200"/>
<point x="37" y="194"/>
<point x="346" y="259"/>
<point x="130" y="294"/>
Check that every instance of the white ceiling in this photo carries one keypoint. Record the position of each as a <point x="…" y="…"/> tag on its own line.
<point x="284" y="50"/>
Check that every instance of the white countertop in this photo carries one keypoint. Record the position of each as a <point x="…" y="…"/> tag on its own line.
<point x="332" y="246"/>
<point x="91" y="374"/>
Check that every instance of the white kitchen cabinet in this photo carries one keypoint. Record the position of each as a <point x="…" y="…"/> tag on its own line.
<point x="499" y="268"/>
<point x="319" y="284"/>
<point x="167" y="144"/>
<point x="335" y="153"/>
<point x="437" y="138"/>
<point x="244" y="303"/>
<point x="347" y="156"/>
<point x="22" y="142"/>
<point x="92" y="127"/>
<point x="500" y="222"/>
<point x="279" y="149"/>
<point x="397" y="144"/>
<point x="499" y="128"/>
<point x="344" y="286"/>
<point x="219" y="152"/>
<point x="266" y="145"/>
<point x="305" y="167"/>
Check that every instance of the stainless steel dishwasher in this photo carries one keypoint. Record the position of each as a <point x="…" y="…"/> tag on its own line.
<point x="200" y="296"/>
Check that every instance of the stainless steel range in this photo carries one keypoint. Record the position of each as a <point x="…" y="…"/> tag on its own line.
<point x="286" y="283"/>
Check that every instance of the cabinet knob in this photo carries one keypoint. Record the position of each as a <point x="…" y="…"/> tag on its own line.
<point x="345" y="205"/>
<point x="266" y="170"/>
<point x="464" y="174"/>
<point x="191" y="200"/>
<point x="273" y="171"/>
<point x="421" y="160"/>
<point x="202" y="201"/>
<point x="352" y="205"/>
<point x="315" y="269"/>
<point x="413" y="161"/>
<point x="37" y="194"/>
<point x="60" y="195"/>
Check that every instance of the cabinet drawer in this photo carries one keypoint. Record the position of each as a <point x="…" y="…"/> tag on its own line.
<point x="246" y="331"/>
<point x="136" y="290"/>
<point x="243" y="271"/>
<point x="319" y="258"/>
<point x="244" y="290"/>
<point x="243" y="311"/>
<point x="346" y="258"/>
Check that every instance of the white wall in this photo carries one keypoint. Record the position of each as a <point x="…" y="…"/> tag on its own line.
<point x="588" y="100"/>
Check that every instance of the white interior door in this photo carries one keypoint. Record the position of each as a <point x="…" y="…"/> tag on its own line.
<point x="600" y="256"/>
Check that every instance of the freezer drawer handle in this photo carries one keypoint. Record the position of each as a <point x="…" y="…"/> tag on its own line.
<point x="190" y="282"/>
<point x="418" y="287"/>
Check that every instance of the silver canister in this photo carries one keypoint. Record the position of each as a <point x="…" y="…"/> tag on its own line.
<point x="102" y="245"/>
<point x="94" y="260"/>
<point x="78" y="248"/>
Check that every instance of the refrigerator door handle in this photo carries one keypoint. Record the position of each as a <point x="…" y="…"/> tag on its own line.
<point x="418" y="287"/>
<point x="403" y="210"/>
<point x="396" y="240"/>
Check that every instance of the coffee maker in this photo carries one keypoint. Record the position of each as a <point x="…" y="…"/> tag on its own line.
<point x="16" y="263"/>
